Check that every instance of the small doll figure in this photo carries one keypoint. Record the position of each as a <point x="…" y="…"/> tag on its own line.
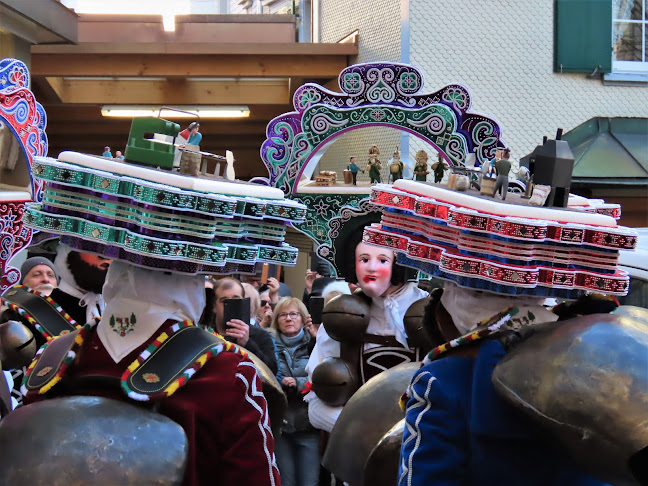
<point x="374" y="166"/>
<point x="502" y="167"/>
<point x="396" y="166"/>
<point x="421" y="168"/>
<point x="353" y="167"/>
<point x="439" y="168"/>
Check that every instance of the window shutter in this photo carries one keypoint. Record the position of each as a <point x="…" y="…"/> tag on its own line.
<point x="582" y="36"/>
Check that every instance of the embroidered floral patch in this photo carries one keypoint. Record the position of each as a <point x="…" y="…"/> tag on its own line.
<point x="123" y="325"/>
<point x="44" y="371"/>
<point x="151" y="378"/>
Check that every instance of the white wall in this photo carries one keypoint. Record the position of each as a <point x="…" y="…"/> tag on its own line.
<point x="378" y="26"/>
<point x="503" y="52"/>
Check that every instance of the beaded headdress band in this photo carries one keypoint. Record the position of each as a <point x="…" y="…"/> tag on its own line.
<point x="162" y="220"/>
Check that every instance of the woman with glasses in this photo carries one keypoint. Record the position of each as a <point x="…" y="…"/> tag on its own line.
<point x="297" y="448"/>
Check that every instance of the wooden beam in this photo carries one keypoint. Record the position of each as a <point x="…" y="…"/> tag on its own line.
<point x="92" y="113"/>
<point x="46" y="91"/>
<point x="186" y="48"/>
<point x="96" y="129"/>
<point x="171" y="92"/>
<point x="183" y="65"/>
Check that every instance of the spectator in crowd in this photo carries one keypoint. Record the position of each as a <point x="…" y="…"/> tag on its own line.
<point x="252" y="338"/>
<point x="265" y="311"/>
<point x="272" y="289"/>
<point x="106" y="152"/>
<point x="297" y="448"/>
<point x="38" y="273"/>
<point x="255" y="302"/>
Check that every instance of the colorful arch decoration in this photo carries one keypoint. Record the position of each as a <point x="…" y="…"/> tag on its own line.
<point x="375" y="94"/>
<point x="26" y="118"/>
<point x="372" y="94"/>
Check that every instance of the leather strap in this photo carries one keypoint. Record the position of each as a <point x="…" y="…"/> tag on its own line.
<point x="46" y="315"/>
<point x="167" y="362"/>
<point x="50" y="361"/>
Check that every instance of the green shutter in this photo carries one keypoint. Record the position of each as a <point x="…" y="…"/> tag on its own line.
<point x="582" y="36"/>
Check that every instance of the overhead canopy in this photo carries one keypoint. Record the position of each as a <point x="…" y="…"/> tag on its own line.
<point x="610" y="151"/>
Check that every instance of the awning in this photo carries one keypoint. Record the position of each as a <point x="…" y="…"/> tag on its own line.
<point x="610" y="151"/>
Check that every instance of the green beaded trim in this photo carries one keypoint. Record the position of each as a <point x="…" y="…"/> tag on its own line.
<point x="199" y="227"/>
<point x="166" y="196"/>
<point x="285" y="254"/>
<point x="214" y="254"/>
<point x="127" y="213"/>
<point x="140" y="190"/>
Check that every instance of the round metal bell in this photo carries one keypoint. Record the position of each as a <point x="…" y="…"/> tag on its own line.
<point x="417" y="337"/>
<point x="371" y="412"/>
<point x="381" y="468"/>
<point x="17" y="345"/>
<point x="586" y="381"/>
<point x="346" y="317"/>
<point x="334" y="382"/>
<point x="77" y="441"/>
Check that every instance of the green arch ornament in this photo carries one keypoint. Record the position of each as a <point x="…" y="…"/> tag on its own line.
<point x="372" y="94"/>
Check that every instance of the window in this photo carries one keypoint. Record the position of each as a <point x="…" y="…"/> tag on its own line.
<point x="630" y="36"/>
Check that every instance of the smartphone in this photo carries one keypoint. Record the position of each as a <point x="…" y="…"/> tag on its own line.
<point x="236" y="309"/>
<point x="315" y="307"/>
<point x="270" y="270"/>
<point x="319" y="265"/>
<point x="315" y="261"/>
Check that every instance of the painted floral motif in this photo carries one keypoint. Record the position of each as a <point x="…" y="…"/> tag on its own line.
<point x="308" y="97"/>
<point x="375" y="93"/>
<point x="457" y="97"/>
<point x="408" y="82"/>
<point x="352" y="83"/>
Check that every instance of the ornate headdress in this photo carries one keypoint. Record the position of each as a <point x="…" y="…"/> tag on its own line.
<point x="501" y="247"/>
<point x="162" y="220"/>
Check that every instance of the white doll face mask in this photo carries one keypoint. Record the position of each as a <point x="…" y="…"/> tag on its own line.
<point x="373" y="269"/>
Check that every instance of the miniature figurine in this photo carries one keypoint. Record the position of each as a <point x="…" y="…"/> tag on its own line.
<point x="420" y="169"/>
<point x="525" y="176"/>
<point x="353" y="167"/>
<point x="396" y="166"/>
<point x="106" y="152"/>
<point x="374" y="165"/>
<point x="191" y="134"/>
<point x="439" y="168"/>
<point x="503" y="167"/>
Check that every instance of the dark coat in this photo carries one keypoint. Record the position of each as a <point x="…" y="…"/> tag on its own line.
<point x="262" y="345"/>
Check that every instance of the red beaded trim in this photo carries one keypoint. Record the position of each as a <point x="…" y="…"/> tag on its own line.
<point x="510" y="227"/>
<point x="449" y="261"/>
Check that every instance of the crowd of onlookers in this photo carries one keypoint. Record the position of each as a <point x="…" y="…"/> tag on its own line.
<point x="282" y="334"/>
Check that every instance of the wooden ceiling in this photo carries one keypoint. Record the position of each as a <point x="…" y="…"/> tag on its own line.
<point x="73" y="82"/>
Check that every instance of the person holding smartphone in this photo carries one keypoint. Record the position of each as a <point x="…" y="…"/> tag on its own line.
<point x="252" y="338"/>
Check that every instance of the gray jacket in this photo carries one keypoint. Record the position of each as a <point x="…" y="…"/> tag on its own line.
<point x="292" y="362"/>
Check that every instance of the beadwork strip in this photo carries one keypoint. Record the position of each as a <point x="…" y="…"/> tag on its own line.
<point x="148" y="261"/>
<point x="523" y="229"/>
<point x="146" y="192"/>
<point x="482" y="273"/>
<point x="508" y="251"/>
